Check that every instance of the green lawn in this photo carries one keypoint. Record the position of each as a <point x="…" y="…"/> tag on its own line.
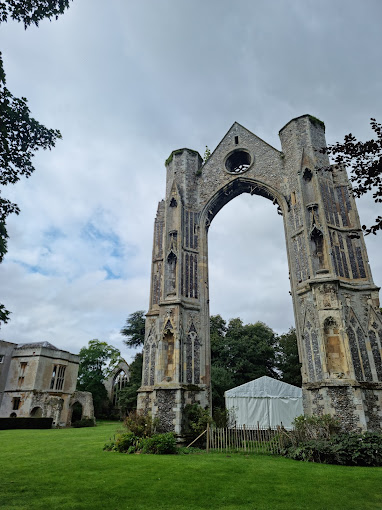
<point x="62" y="469"/>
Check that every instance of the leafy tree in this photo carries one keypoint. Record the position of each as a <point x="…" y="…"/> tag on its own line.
<point x="288" y="360"/>
<point x="20" y="134"/>
<point x="4" y="314"/>
<point x="221" y="381"/>
<point x="31" y="11"/>
<point x="96" y="362"/>
<point x="134" y="329"/>
<point x="127" y="397"/>
<point x="239" y="353"/>
<point x="364" y="159"/>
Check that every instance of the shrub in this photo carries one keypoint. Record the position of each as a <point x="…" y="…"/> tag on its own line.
<point x="128" y="442"/>
<point x="314" y="451"/>
<point x="160" y="444"/>
<point x="307" y="428"/>
<point x="140" y="424"/>
<point x="350" y="449"/>
<point x="359" y="449"/>
<point x="196" y="418"/>
<point x="85" y="422"/>
<point x="223" y="418"/>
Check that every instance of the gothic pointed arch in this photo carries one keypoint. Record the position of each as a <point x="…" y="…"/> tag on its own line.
<point x="331" y="281"/>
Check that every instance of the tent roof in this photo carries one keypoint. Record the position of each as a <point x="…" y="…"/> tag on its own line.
<point x="265" y="387"/>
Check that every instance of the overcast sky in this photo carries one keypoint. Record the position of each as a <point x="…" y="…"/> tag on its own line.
<point x="128" y="82"/>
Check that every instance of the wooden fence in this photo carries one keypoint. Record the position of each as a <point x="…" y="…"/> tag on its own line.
<point x="245" y="439"/>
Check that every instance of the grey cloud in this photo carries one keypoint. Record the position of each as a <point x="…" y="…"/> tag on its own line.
<point x="129" y="82"/>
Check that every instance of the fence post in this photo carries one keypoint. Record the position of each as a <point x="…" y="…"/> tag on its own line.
<point x="208" y="437"/>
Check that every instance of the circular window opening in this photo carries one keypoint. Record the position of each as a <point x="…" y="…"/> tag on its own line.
<point x="238" y="162"/>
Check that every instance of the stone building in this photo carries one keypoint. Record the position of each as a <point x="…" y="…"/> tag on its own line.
<point x="38" y="379"/>
<point x="117" y="380"/>
<point x="336" y="303"/>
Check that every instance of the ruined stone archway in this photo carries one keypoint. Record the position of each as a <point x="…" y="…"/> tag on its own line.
<point x="76" y="412"/>
<point x="334" y="298"/>
<point x="36" y="412"/>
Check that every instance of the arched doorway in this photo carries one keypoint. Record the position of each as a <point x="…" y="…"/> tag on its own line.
<point x="76" y="412"/>
<point x="36" y="412"/>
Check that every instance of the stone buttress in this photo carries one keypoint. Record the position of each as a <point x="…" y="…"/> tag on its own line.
<point x="336" y="306"/>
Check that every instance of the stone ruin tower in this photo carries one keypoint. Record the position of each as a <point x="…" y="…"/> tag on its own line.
<point x="336" y="305"/>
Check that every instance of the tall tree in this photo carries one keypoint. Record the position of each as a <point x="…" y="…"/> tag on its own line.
<point x="20" y="134"/>
<point x="239" y="353"/>
<point x="288" y="360"/>
<point x="97" y="360"/>
<point x="134" y="329"/>
<point x="364" y="160"/>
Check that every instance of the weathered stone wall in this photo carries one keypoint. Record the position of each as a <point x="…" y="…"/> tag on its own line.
<point x="42" y="379"/>
<point x="85" y="398"/>
<point x="336" y="304"/>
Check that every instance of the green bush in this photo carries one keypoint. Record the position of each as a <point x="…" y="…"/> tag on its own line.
<point x="359" y="449"/>
<point x="323" y="427"/>
<point x="196" y="418"/>
<point x="160" y="444"/>
<point x="85" y="422"/>
<point x="350" y="449"/>
<point x="128" y="442"/>
<point x="223" y="418"/>
<point x="140" y="424"/>
<point x="318" y="450"/>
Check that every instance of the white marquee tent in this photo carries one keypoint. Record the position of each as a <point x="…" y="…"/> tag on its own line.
<point x="265" y="402"/>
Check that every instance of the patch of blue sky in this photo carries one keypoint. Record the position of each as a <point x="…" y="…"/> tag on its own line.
<point x="110" y="274"/>
<point x="53" y="233"/>
<point x="36" y="269"/>
<point x="91" y="233"/>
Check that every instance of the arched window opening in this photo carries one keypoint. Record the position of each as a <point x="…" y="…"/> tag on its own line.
<point x="120" y="381"/>
<point x="317" y="241"/>
<point x="171" y="276"/>
<point x="307" y="175"/>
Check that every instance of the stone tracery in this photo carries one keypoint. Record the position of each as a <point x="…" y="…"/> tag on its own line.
<point x="331" y="282"/>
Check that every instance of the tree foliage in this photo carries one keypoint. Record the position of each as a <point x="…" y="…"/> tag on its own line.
<point x="364" y="159"/>
<point x="134" y="329"/>
<point x="239" y="353"/>
<point x="288" y="359"/>
<point x="97" y="360"/>
<point x="20" y="134"/>
<point x="31" y="11"/>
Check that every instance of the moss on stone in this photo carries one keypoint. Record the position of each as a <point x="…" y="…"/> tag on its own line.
<point x="316" y="121"/>
<point x="179" y="151"/>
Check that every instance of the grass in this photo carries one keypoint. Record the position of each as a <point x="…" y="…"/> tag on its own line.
<point x="67" y="469"/>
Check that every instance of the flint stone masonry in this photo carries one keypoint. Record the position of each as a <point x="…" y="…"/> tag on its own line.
<point x="336" y="303"/>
